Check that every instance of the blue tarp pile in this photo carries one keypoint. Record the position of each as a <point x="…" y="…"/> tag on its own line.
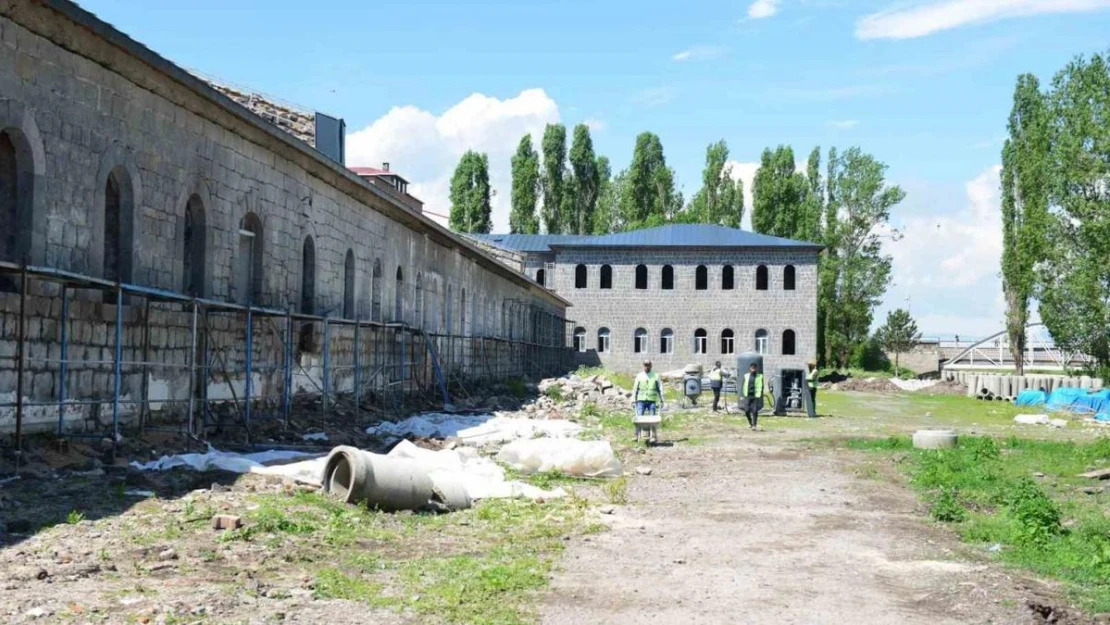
<point x="1074" y="400"/>
<point x="1031" y="397"/>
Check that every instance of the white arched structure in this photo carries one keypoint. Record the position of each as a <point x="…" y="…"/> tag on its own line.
<point x="993" y="352"/>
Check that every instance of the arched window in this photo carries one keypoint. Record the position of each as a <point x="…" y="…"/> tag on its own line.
<point x="580" y="277"/>
<point x="192" y="268"/>
<point x="667" y="281"/>
<point x="640" y="341"/>
<point x="399" y="297"/>
<point x="308" y="276"/>
<point x="349" y="285"/>
<point x="119" y="208"/>
<point x="606" y="281"/>
<point x="761" y="341"/>
<point x="462" y="312"/>
<point x="580" y="339"/>
<point x="788" y="278"/>
<point x="418" y="305"/>
<point x="761" y="278"/>
<point x="249" y="279"/>
<point x="603" y="340"/>
<point x="641" y="277"/>
<point x="701" y="341"/>
<point x="666" y="341"/>
<point x="376" y="291"/>
<point x="788" y="346"/>
<point x="701" y="278"/>
<point x="728" y="342"/>
<point x="17" y="177"/>
<point x="727" y="283"/>
<point x="540" y="277"/>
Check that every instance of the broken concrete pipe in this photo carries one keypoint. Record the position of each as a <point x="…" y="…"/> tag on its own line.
<point x="388" y="484"/>
<point x="934" y="439"/>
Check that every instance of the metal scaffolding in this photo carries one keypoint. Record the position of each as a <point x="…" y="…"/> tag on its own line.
<point x="243" y="364"/>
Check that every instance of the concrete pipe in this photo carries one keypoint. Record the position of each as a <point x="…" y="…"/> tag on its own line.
<point x="388" y="484"/>
<point x="973" y="387"/>
<point x="1096" y="384"/>
<point x="1085" y="381"/>
<point x="449" y="493"/>
<point x="934" y="439"/>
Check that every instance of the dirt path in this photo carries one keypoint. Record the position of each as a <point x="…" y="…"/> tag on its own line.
<point x="753" y="529"/>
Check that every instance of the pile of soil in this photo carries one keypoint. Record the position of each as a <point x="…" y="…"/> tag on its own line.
<point x="866" y="385"/>
<point x="946" y="387"/>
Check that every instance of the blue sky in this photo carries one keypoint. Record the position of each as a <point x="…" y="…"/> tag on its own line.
<point x="923" y="85"/>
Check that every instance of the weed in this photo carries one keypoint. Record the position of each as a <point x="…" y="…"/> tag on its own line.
<point x="1037" y="516"/>
<point x="555" y="392"/>
<point x="947" y="508"/>
<point x="617" y="490"/>
<point x="331" y="583"/>
<point x="517" y="387"/>
<point x="589" y="409"/>
<point x="74" y="517"/>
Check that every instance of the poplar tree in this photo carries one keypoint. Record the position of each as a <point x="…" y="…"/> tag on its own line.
<point x="720" y="200"/>
<point x="554" y="168"/>
<point x="779" y="195"/>
<point x="1025" y="192"/>
<point x="526" y="187"/>
<point x="649" y="199"/>
<point x="470" y="194"/>
<point x="584" y="166"/>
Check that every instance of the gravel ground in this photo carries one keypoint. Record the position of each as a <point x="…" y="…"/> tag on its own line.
<point x="753" y="529"/>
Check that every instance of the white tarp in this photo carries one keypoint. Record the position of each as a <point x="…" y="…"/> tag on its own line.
<point x="913" y="385"/>
<point x="219" y="460"/>
<point x="477" y="430"/>
<point x="1040" y="419"/>
<point x="569" y="456"/>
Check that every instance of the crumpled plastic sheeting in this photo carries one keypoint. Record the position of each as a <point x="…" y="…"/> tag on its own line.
<point x="477" y="430"/>
<point x="214" y="460"/>
<point x="481" y="476"/>
<point x="569" y="456"/>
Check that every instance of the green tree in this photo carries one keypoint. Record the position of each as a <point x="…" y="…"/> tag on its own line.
<point x="815" y="199"/>
<point x="779" y="195"/>
<point x="526" y="188"/>
<point x="720" y="199"/>
<point x="1075" y="279"/>
<point x="649" y="197"/>
<point x="898" y="335"/>
<point x="862" y="272"/>
<point x="587" y="182"/>
<point x="470" y="194"/>
<point x="607" y="215"/>
<point x="554" y="169"/>
<point x="1025" y="193"/>
<point x="828" y="272"/>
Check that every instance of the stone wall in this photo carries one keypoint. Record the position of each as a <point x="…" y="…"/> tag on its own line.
<point x="683" y="310"/>
<point x="90" y="105"/>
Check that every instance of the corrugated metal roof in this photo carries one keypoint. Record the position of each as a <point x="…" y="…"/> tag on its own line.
<point x="673" y="235"/>
<point x="526" y="242"/>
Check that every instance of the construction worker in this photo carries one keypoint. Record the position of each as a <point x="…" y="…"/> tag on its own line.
<point x="716" y="381"/>
<point x="751" y="389"/>
<point x="811" y="378"/>
<point x="647" y="391"/>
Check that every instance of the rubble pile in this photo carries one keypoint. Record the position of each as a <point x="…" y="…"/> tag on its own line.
<point x="574" y="392"/>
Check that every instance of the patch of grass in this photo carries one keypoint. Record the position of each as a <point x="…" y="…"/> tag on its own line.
<point x="518" y="387"/>
<point x="987" y="490"/>
<point x="554" y="392"/>
<point x="332" y="583"/>
<point x="616" y="490"/>
<point x="74" y="517"/>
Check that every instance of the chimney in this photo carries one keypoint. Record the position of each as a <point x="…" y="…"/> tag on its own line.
<point x="385" y="166"/>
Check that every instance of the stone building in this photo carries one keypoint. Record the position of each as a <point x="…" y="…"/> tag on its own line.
<point x="678" y="294"/>
<point x="122" y="173"/>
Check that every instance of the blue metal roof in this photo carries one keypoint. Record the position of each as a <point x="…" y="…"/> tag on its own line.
<point x="673" y="235"/>
<point x="526" y="242"/>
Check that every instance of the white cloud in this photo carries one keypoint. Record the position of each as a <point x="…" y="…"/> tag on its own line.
<point x="947" y="262"/>
<point x="763" y="8"/>
<point x="844" y="124"/>
<point x="595" y="125"/>
<point x="924" y="19"/>
<point x="655" y="96"/>
<point x="424" y="147"/>
<point x="697" y="53"/>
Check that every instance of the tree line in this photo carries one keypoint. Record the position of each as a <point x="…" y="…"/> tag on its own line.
<point x="1056" y="209"/>
<point x="846" y="210"/>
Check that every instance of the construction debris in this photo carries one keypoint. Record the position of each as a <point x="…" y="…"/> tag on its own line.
<point x="1099" y="474"/>
<point x="576" y="392"/>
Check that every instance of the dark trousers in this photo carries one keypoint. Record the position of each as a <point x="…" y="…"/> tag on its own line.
<point x="752" y="406"/>
<point x="716" y="396"/>
<point x="813" y="399"/>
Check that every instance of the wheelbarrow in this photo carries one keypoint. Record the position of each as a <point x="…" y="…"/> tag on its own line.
<point x="647" y="426"/>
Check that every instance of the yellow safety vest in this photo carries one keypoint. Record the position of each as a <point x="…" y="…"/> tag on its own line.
<point x="813" y="378"/>
<point x="758" y="385"/>
<point x="715" y="375"/>
<point x="647" y="386"/>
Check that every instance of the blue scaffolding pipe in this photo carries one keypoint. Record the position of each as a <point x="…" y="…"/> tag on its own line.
<point x="327" y="364"/>
<point x="250" y="352"/>
<point x="118" y="369"/>
<point x="62" y="367"/>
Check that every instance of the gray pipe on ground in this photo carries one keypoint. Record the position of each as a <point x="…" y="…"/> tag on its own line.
<point x="388" y="484"/>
